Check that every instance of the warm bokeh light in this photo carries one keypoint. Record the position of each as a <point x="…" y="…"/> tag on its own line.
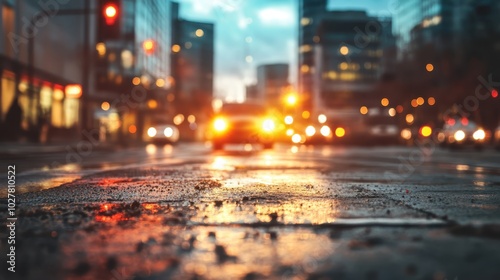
<point x="199" y="33"/>
<point x="152" y="132"/>
<point x="344" y="50"/>
<point x="340" y="132"/>
<point x="288" y="120"/>
<point x="410" y="119"/>
<point x="217" y="105"/>
<point x="132" y="129"/>
<point x="220" y="124"/>
<point x="494" y="93"/>
<point x="392" y="112"/>
<point x="429" y="67"/>
<point x="363" y="110"/>
<point x="420" y="101"/>
<point x="73" y="91"/>
<point x="459" y="135"/>
<point x="191" y="119"/>
<point x="168" y="132"/>
<point x="296" y="138"/>
<point x="414" y="103"/>
<point x="101" y="49"/>
<point x="310" y="131"/>
<point x="406" y="134"/>
<point x="384" y="102"/>
<point x="291" y="99"/>
<point x="148" y="46"/>
<point x="152" y="104"/>
<point x="176" y="48"/>
<point x="105" y="106"/>
<point x="289" y="132"/>
<point x="268" y="125"/>
<point x="431" y="101"/>
<point x="160" y="83"/>
<point x="479" y="135"/>
<point x="322" y="118"/>
<point x="136" y="81"/>
<point x="325" y="131"/>
<point x="178" y="119"/>
<point x="306" y="115"/>
<point x="426" y="131"/>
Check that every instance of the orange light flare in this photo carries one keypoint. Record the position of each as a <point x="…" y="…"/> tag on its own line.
<point x="148" y="46"/>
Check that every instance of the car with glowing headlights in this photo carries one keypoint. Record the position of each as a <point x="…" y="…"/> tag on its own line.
<point x="163" y="134"/>
<point x="241" y="123"/>
<point x="462" y="132"/>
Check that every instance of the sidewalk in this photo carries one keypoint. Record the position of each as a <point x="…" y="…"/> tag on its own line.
<point x="9" y="149"/>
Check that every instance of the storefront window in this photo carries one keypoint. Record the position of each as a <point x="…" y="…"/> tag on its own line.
<point x="8" y="93"/>
<point x="57" y="116"/>
<point x="71" y="112"/>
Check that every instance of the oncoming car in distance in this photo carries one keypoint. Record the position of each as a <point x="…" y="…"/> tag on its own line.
<point x="242" y="123"/>
<point x="163" y="134"/>
<point x="462" y="132"/>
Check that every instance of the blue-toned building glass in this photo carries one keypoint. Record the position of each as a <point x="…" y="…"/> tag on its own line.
<point x="310" y="13"/>
<point x="139" y="56"/>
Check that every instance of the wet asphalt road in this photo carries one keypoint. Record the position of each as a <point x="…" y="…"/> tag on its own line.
<point x="185" y="212"/>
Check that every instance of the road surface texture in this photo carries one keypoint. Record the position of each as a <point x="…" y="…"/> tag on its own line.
<point x="185" y="212"/>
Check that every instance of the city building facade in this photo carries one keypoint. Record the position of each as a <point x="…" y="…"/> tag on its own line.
<point x="37" y="39"/>
<point x="272" y="83"/>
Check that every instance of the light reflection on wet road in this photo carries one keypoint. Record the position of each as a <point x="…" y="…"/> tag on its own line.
<point x="305" y="212"/>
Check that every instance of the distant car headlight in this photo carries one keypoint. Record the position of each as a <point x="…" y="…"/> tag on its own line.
<point x="168" y="132"/>
<point x="152" y="132"/>
<point x="325" y="131"/>
<point x="296" y="138"/>
<point x="459" y="135"/>
<point x="268" y="125"/>
<point x="310" y="131"/>
<point x="479" y="134"/>
<point x="406" y="134"/>
<point x="220" y="125"/>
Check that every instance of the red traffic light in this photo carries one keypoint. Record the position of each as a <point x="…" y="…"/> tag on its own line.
<point x="110" y="12"/>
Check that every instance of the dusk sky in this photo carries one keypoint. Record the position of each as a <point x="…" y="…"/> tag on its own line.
<point x="254" y="32"/>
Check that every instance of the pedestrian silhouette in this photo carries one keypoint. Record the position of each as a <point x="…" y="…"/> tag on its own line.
<point x="13" y="120"/>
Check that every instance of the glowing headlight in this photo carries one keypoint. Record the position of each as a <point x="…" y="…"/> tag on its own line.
<point x="325" y="131"/>
<point x="296" y="138"/>
<point x="168" y="132"/>
<point x="220" y="125"/>
<point x="310" y="131"/>
<point x="479" y="134"/>
<point x="459" y="135"/>
<point x="152" y="132"/>
<point x="268" y="125"/>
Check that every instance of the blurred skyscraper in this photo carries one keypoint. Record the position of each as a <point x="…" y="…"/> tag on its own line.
<point x="310" y="13"/>
<point x="192" y="66"/>
<point x="138" y="56"/>
<point x="272" y="82"/>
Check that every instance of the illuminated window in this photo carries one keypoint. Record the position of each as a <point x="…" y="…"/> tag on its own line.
<point x="305" y="48"/>
<point x="306" y="21"/>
